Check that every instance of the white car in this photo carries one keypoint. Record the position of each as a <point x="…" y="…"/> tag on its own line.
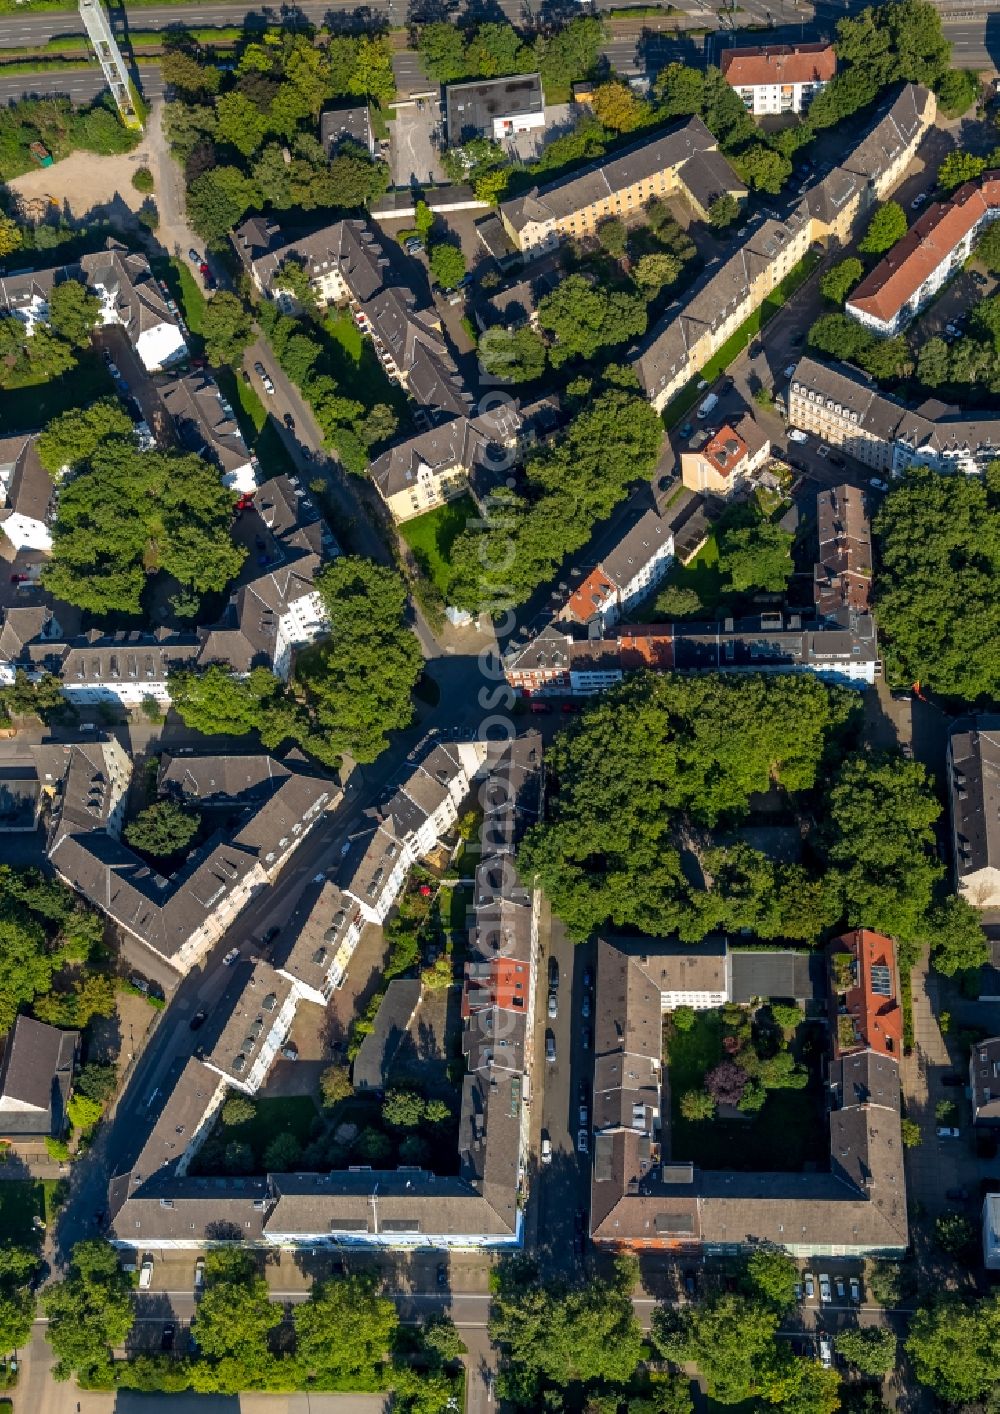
<point x="810" y="1286"/>
<point x="879" y="484"/>
<point x="855" y="1291"/>
<point x="825" y="1352"/>
<point x="231" y="956"/>
<point x="146" y="1273"/>
<point x="841" y="1289"/>
<point x="825" y="1294"/>
<point x="947" y="1131"/>
<point x="546" y="1149"/>
<point x="795" y="435"/>
<point x="789" y="370"/>
<point x="823" y="451"/>
<point x="199" y="1274"/>
<point x="582" y="1143"/>
<point x="918" y="200"/>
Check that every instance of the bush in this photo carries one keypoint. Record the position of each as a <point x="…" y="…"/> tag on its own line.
<point x="238" y="1109"/>
<point x="142" y="179"/>
<point x="335" y="1085"/>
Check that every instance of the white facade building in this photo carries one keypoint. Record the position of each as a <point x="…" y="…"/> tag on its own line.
<point x="780" y="78"/>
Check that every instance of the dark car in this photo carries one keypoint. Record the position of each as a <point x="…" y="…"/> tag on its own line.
<point x="289" y="421"/>
<point x="167" y="1338"/>
<point x="727" y="385"/>
<point x="258" y="368"/>
<point x="553" y="973"/>
<point x="690" y="1285"/>
<point x="588" y="977"/>
<point x="953" y="1080"/>
<point x="686" y="430"/>
<point x="198" y="1020"/>
<point x="442" y="1274"/>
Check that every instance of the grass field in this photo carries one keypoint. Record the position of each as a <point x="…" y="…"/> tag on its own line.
<point x="431" y="537"/>
<point x="784" y="1136"/>
<point x="32" y="405"/>
<point x="291" y="1114"/>
<point x="259" y="430"/>
<point x="21" y="1200"/>
<point x="354" y="363"/>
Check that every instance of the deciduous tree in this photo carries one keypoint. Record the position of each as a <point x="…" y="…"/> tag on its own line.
<point x="887" y="226"/>
<point x="162" y="829"/>
<point x="517" y="355"/>
<point x="226" y="328"/>
<point x="840" y="279"/>
<point x="73" y="437"/>
<point x="90" y="1312"/>
<point x="954" y="1347"/>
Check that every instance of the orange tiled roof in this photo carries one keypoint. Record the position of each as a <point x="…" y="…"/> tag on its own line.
<point x="646" y="646"/>
<point x="589" y="597"/>
<point x="897" y="278"/>
<point x="725" y="451"/>
<point x="779" y="63"/>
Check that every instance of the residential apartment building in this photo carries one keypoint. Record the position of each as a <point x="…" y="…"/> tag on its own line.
<point x="728" y="460"/>
<point x="642" y="1202"/>
<point x="130" y="295"/>
<point x="974" y="798"/>
<point x="865" y="1008"/>
<point x="27" y="500"/>
<point x="696" y="325"/>
<point x="204" y="423"/>
<point x="842" y="573"/>
<point x="984" y="1081"/>
<point x="157" y="1205"/>
<point x="494" y="108"/>
<point x="845" y="410"/>
<point x="563" y="661"/>
<point x="435" y="466"/>
<point x="343" y="262"/>
<point x="682" y="162"/>
<point x="350" y="125"/>
<point x="779" y="78"/>
<point x="259" y="1018"/>
<point x="936" y="246"/>
<point x="629" y="572"/>
<point x="266" y="810"/>
<point x="314" y="953"/>
<point x="36" y="1080"/>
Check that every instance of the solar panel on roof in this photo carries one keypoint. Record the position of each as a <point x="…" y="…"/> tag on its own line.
<point x="881" y="980"/>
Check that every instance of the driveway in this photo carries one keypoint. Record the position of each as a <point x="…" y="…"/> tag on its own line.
<point x="414" y="137"/>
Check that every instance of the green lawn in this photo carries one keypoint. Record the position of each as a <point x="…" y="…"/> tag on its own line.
<point x="20" y="1201"/>
<point x="736" y="343"/>
<point x="291" y="1114"/>
<point x="185" y="290"/>
<point x="354" y="363"/>
<point x="787" y="1133"/>
<point x="259" y="430"/>
<point x="35" y="404"/>
<point x="431" y="537"/>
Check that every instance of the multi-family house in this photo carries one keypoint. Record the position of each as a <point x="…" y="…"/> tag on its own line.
<point x="314" y="953"/>
<point x="936" y="246"/>
<point x="436" y="465"/>
<point x="204" y="423"/>
<point x="865" y="1008"/>
<point x="842" y="573"/>
<point x="131" y="296"/>
<point x="984" y="1081"/>
<point x="682" y="162"/>
<point x="343" y="262"/>
<point x="642" y="1202"/>
<point x="260" y="1016"/>
<point x="494" y="108"/>
<point x="36" y="1080"/>
<point x="696" y="326"/>
<point x="845" y="410"/>
<point x="351" y="125"/>
<point x="974" y="798"/>
<point x="779" y="78"/>
<point x="156" y="1204"/>
<point x="169" y="924"/>
<point x="624" y="576"/>
<point x="728" y="459"/>
<point x="26" y="495"/>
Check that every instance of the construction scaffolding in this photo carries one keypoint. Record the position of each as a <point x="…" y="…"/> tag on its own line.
<point x="110" y="58"/>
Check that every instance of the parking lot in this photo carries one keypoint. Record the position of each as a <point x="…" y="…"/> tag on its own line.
<point x="414" y="137"/>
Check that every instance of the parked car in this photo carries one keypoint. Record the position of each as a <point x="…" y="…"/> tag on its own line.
<point x="550" y="1047"/>
<point x="841" y="1288"/>
<point x="686" y="430"/>
<point x="690" y="1285"/>
<point x="290" y="1053"/>
<point x="795" y="435"/>
<point x="953" y="330"/>
<point x="583" y="1116"/>
<point x="198" y="1020"/>
<point x="810" y="1285"/>
<point x="231" y="956"/>
<point x="199" y="1274"/>
<point x="146" y="1273"/>
<point x="442" y="1274"/>
<point x="541" y="709"/>
<point x="546" y="1154"/>
<point x="167" y="1337"/>
<point x="855" y="1291"/>
<point x="194" y="257"/>
<point x="953" y="1080"/>
<point x="879" y="484"/>
<point x="587" y="1038"/>
<point x="798" y="1293"/>
<point x="835" y="460"/>
<point x="259" y="369"/>
<point x="825" y="1292"/>
<point x="825" y="1351"/>
<point x="267" y="385"/>
<point x="789" y="369"/>
<point x="588" y="978"/>
<point x="553" y="973"/>
<point x="585" y="1006"/>
<point x="553" y="1005"/>
<point x="582" y="1142"/>
<point x="823" y="451"/>
<point x="947" y="1131"/>
<point x="289" y="421"/>
<point x="918" y="201"/>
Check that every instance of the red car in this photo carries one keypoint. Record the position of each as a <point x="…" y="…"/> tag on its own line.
<point x="541" y="709"/>
<point x="203" y="268"/>
<point x="19" y="579"/>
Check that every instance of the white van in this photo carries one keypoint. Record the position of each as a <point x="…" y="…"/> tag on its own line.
<point x="546" y="1149"/>
<point x="146" y="1273"/>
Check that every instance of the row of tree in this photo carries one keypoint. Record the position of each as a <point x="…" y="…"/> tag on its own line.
<point x="345" y="1336"/>
<point x="249" y="139"/>
<point x="656" y="767"/>
<point x="562" y="54"/>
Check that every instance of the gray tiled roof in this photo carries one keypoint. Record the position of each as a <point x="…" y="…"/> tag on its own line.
<point x="204" y="423"/>
<point x="974" y="790"/>
<point x="378" y="1049"/>
<point x="29" y="486"/>
<point x="36" y="1073"/>
<point x="348" y="246"/>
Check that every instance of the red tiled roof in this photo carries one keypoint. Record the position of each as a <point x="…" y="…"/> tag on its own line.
<point x="725" y="451"/>
<point x="929" y="241"/>
<point x="873" y="1000"/>
<point x="779" y="63"/>
<point x="646" y="646"/>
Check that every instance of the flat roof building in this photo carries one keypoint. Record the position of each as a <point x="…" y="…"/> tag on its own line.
<point x="494" y="108"/>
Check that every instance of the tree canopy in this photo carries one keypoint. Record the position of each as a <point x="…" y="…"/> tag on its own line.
<point x="128" y="514"/>
<point x="90" y="1312"/>
<point x="18" y="1268"/>
<point x="583" y="318"/>
<point x="837" y="282"/>
<point x="226" y="328"/>
<point x="162" y="829"/>
<point x="938" y="604"/>
<point x="72" y="438"/>
<point x="660" y="751"/>
<point x="954" y="1347"/>
<point x="887" y="226"/>
<point x="42" y="928"/>
<point x="345" y="1328"/>
<point x="517" y="355"/>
